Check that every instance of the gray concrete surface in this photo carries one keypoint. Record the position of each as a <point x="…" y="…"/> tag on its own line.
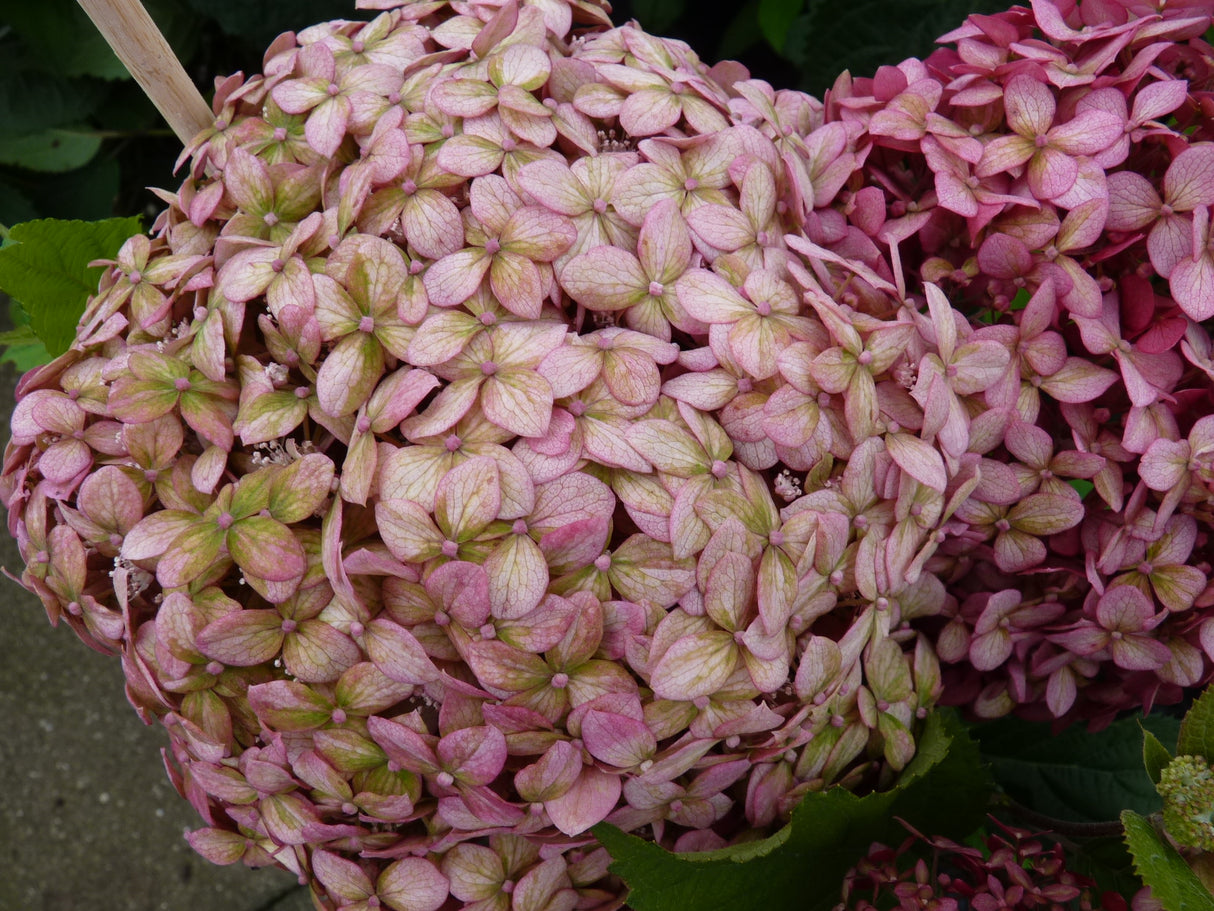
<point x="88" y="818"/>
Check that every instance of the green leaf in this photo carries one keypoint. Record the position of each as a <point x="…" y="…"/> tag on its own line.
<point x="22" y="349"/>
<point x="50" y="150"/>
<point x="15" y="206"/>
<point x="1171" y="880"/>
<point x="658" y="15"/>
<point x="87" y="193"/>
<point x="776" y="18"/>
<point x="741" y="34"/>
<point x="260" y="23"/>
<point x="45" y="266"/>
<point x="1106" y="860"/>
<point x="64" y="41"/>
<point x="31" y="100"/>
<point x="942" y="791"/>
<point x="1155" y="756"/>
<point x="1197" y="729"/>
<point x="1082" y="487"/>
<point x="1075" y="775"/>
<point x="861" y="35"/>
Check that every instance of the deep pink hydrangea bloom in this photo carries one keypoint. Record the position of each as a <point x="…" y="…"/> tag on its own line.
<point x="513" y="424"/>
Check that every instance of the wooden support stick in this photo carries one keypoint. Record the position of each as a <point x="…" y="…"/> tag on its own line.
<point x="130" y="31"/>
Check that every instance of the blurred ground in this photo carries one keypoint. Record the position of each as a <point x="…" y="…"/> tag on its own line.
<point x="88" y="818"/>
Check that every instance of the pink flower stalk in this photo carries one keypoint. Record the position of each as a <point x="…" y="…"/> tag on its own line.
<point x="558" y="430"/>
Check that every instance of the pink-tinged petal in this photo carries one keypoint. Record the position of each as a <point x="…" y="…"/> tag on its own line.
<point x="606" y="278"/>
<point x="502" y="667"/>
<point x="551" y="775"/>
<point x="709" y="298"/>
<point x="288" y="817"/>
<point x="344" y="879"/>
<point x="538" y="234"/>
<point x="349" y="374"/>
<point x="463" y="591"/>
<point x="1177" y="587"/>
<point x="64" y="460"/>
<point x="1192" y="284"/>
<point x="326" y="126"/>
<point x="1133" y="202"/>
<point x="668" y="447"/>
<point x="1004" y="154"/>
<point x="451" y="404"/>
<point x="1045" y="514"/>
<point x="593" y="795"/>
<point x="695" y="665"/>
<point x="1078" y="381"/>
<point x="247" y="180"/>
<point x="284" y="705"/>
<point x="649" y="111"/>
<point x="1051" y="173"/>
<point x="521" y="65"/>
<point x="470" y="156"/>
<point x="1189" y="181"/>
<point x="412" y="884"/>
<point x="266" y="548"/>
<point x="154" y="534"/>
<point x="219" y="846"/>
<point x="464" y="97"/>
<point x="1088" y="133"/>
<point x="664" y="244"/>
<point x="397" y="653"/>
<point x="574" y="545"/>
<point x="296" y="96"/>
<point x="469" y="497"/>
<point x="518" y="401"/>
<point x="318" y="653"/>
<point x="1004" y="257"/>
<point x="618" y="740"/>
<point x="407" y="530"/>
<point x="1139" y="653"/>
<point x="192" y="552"/>
<point x="554" y="186"/>
<point x="517" y="284"/>
<point x="1170" y="241"/>
<point x="454" y="278"/>
<point x="1159" y="98"/>
<point x="110" y="499"/>
<point x="955" y="194"/>
<point x="300" y="489"/>
<point x="918" y="459"/>
<point x="1016" y="551"/>
<point x="432" y="224"/>
<point x="518" y="577"/>
<point x="475" y="755"/>
<point x="243" y="639"/>
<point x="1030" y="106"/>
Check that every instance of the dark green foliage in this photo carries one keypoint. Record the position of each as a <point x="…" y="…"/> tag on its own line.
<point x="1171" y="880"/>
<point x="942" y="791"/>
<point x="44" y="265"/>
<point x="1075" y="775"/>
<point x="1197" y="729"/>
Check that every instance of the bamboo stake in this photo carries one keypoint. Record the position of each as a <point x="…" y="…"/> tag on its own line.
<point x="130" y="31"/>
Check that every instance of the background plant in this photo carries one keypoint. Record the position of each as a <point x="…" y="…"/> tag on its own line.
<point x="1122" y="623"/>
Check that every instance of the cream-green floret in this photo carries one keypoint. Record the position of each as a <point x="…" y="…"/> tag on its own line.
<point x="1187" y="787"/>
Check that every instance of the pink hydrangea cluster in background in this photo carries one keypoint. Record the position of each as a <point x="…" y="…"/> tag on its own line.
<point x="514" y="424"/>
<point x="1014" y="871"/>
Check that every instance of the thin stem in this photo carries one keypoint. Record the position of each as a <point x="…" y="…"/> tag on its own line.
<point x="143" y="50"/>
<point x="1064" y="826"/>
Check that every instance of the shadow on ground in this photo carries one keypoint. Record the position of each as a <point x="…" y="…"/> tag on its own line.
<point x="88" y="818"/>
